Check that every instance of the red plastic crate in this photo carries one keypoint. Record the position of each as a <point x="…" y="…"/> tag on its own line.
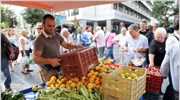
<point x="153" y="82"/>
<point x="77" y="63"/>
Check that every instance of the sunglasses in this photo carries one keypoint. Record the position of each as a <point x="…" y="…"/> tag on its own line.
<point x="39" y="28"/>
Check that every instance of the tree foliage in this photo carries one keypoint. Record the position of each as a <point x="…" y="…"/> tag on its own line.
<point x="32" y="15"/>
<point x="8" y="18"/>
<point x="162" y="10"/>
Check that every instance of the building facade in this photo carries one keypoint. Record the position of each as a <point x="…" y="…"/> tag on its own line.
<point x="111" y="15"/>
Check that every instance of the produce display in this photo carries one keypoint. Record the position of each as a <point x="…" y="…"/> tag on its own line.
<point x="130" y="76"/>
<point x="12" y="96"/>
<point x="154" y="71"/>
<point x="79" y="93"/>
<point x="87" y="87"/>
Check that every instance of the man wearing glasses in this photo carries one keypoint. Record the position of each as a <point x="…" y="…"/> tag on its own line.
<point x="39" y="28"/>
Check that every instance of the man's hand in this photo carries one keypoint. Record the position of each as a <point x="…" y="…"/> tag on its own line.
<point x="55" y="62"/>
<point x="79" y="46"/>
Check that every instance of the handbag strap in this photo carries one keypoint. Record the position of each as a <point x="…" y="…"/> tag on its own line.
<point x="175" y="36"/>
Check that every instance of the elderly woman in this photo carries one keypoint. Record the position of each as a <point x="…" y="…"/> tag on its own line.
<point x="25" y="49"/>
<point x="157" y="47"/>
<point x="64" y="34"/>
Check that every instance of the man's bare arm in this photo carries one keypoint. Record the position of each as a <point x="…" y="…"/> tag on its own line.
<point x="40" y="60"/>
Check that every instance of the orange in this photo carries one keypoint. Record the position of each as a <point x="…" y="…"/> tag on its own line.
<point x="97" y="68"/>
<point x="58" y="86"/>
<point x="73" y="85"/>
<point x="82" y="81"/>
<point x="90" y="86"/>
<point x="89" y="74"/>
<point x="48" y="83"/>
<point x="91" y="79"/>
<point x="76" y="79"/>
<point x="53" y="78"/>
<point x="64" y="79"/>
<point x="92" y="72"/>
<point x="94" y="76"/>
<point x="86" y="83"/>
<point x="97" y="82"/>
<point x="97" y="78"/>
<point x="83" y="78"/>
<point x="52" y="81"/>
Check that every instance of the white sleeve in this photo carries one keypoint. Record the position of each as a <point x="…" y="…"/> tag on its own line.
<point x="169" y="42"/>
<point x="165" y="66"/>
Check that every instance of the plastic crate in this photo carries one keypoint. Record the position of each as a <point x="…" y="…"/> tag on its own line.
<point x="77" y="63"/>
<point x="153" y="82"/>
<point x="29" y="94"/>
<point x="116" y="88"/>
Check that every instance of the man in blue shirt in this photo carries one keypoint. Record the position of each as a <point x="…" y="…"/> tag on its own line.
<point x="82" y="38"/>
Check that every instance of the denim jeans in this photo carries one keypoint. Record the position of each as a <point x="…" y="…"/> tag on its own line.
<point x="110" y="52"/>
<point x="101" y="52"/>
<point x="5" y="70"/>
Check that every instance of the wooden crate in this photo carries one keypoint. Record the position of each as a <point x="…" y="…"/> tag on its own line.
<point x="117" y="88"/>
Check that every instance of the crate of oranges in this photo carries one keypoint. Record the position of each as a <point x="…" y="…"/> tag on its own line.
<point x="77" y="63"/>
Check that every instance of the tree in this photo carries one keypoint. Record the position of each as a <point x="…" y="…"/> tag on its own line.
<point x="162" y="10"/>
<point x="8" y="18"/>
<point x="32" y="15"/>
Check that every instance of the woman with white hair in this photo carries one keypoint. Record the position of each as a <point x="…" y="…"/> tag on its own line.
<point x="157" y="47"/>
<point x="64" y="34"/>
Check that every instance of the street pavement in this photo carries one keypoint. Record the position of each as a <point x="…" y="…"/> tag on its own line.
<point x="22" y="81"/>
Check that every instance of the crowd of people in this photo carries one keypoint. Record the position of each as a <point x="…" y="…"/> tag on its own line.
<point x="136" y="41"/>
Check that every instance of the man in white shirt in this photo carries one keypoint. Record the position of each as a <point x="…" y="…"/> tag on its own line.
<point x="100" y="41"/>
<point x="88" y="32"/>
<point x="136" y="44"/>
<point x="120" y="40"/>
<point x="170" y="67"/>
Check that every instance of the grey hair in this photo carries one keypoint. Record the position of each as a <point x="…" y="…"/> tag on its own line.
<point x="98" y="28"/>
<point x="63" y="31"/>
<point x="161" y="31"/>
<point x="133" y="27"/>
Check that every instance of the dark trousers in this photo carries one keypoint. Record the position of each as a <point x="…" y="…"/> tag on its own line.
<point x="171" y="94"/>
<point x="27" y="53"/>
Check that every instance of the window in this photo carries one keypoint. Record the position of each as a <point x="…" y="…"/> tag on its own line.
<point x="115" y="6"/>
<point x="73" y="12"/>
<point x="120" y="7"/>
<point x="76" y="11"/>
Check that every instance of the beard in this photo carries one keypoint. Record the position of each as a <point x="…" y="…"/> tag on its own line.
<point x="48" y="32"/>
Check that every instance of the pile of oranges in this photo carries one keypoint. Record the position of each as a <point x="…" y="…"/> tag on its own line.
<point x="92" y="79"/>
